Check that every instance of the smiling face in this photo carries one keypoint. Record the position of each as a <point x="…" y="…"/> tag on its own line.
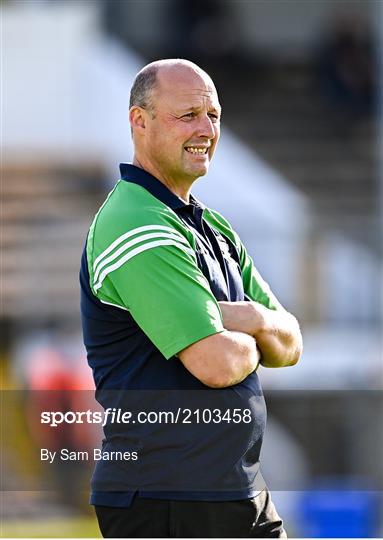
<point x="177" y="142"/>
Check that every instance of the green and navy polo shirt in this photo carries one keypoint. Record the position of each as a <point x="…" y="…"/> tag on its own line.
<point x="152" y="273"/>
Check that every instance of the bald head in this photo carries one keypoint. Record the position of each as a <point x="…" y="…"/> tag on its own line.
<point x="161" y="71"/>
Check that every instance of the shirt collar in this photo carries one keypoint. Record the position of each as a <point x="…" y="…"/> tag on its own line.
<point x="136" y="175"/>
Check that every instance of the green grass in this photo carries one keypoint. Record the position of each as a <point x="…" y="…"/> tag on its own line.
<point x="76" y="527"/>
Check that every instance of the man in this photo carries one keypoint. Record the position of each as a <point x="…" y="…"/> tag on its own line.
<point x="175" y="313"/>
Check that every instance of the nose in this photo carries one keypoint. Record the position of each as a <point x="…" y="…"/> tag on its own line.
<point x="206" y="127"/>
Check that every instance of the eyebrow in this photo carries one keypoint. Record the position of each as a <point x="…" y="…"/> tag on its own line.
<point x="198" y="108"/>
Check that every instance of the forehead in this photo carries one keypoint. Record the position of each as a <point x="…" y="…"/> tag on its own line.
<point x="184" y="87"/>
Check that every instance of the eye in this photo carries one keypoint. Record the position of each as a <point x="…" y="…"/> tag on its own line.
<point x="214" y="117"/>
<point x="189" y="115"/>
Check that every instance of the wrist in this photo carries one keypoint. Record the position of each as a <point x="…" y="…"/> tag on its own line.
<point x="260" y="319"/>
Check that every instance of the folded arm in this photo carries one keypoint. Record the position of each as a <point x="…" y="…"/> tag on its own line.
<point x="221" y="360"/>
<point x="276" y="332"/>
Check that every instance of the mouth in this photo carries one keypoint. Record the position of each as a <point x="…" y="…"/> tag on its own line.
<point x="197" y="150"/>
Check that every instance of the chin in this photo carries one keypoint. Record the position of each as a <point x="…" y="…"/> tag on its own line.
<point x="200" y="172"/>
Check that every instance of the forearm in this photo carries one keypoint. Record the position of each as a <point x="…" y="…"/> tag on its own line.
<point x="279" y="340"/>
<point x="222" y="359"/>
<point x="276" y="332"/>
<point x="239" y="357"/>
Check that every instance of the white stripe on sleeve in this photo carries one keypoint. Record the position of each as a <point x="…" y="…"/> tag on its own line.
<point x="136" y="251"/>
<point x="128" y="245"/>
<point x="128" y="234"/>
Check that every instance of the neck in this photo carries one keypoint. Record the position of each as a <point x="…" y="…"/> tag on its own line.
<point x="182" y="190"/>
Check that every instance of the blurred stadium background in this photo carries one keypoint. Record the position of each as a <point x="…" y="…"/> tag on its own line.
<point x="298" y="172"/>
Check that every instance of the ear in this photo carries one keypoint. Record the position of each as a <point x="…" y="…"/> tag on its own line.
<point x="137" y="117"/>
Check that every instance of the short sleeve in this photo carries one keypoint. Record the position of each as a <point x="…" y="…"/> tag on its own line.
<point x="165" y="292"/>
<point x="254" y="285"/>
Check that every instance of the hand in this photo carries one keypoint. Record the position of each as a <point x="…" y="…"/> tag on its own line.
<point x="276" y="332"/>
